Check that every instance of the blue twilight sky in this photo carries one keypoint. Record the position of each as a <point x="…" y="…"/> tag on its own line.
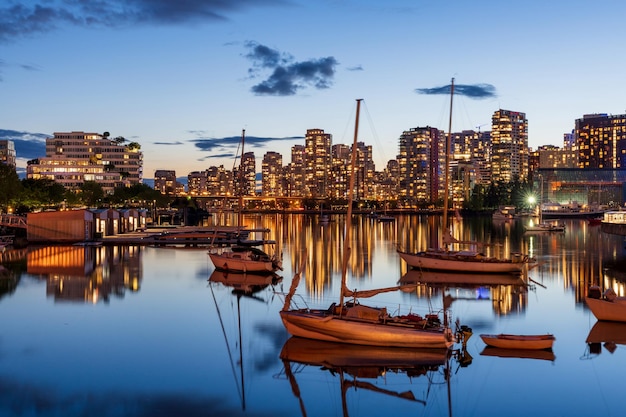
<point x="184" y="77"/>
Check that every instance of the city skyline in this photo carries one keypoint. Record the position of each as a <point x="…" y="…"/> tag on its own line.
<point x="184" y="79"/>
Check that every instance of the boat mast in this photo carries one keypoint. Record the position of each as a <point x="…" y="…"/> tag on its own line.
<point x="241" y="180"/>
<point x="447" y="166"/>
<point x="348" y="233"/>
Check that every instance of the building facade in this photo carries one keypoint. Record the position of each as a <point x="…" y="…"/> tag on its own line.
<point x="601" y="141"/>
<point x="7" y="153"/>
<point x="509" y="146"/>
<point x="72" y="158"/>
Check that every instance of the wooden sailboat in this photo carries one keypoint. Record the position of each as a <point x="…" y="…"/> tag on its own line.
<point x="354" y="323"/>
<point x="445" y="259"/>
<point x="244" y="258"/>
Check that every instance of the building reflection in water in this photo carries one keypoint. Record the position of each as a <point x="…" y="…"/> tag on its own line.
<point x="85" y="273"/>
<point x="576" y="259"/>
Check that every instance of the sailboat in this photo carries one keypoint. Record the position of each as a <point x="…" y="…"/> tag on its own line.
<point x="354" y="323"/>
<point x="445" y="259"/>
<point x="242" y="257"/>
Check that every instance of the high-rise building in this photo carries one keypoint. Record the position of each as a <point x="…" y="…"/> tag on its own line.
<point x="509" y="146"/>
<point x="294" y="173"/>
<point x="245" y="176"/>
<point x="601" y="141"/>
<point x="271" y="172"/>
<point x="75" y="157"/>
<point x="165" y="181"/>
<point x="419" y="163"/>
<point x="7" y="152"/>
<point x="317" y="162"/>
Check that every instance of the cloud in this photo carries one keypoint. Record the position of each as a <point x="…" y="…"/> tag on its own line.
<point x="478" y="91"/>
<point x="21" y="18"/>
<point x="230" y="142"/>
<point x="356" y="68"/>
<point x="168" y="143"/>
<point x="27" y="145"/>
<point x="288" y="77"/>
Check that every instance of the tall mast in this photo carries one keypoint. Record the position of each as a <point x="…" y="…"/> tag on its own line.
<point x="447" y="172"/>
<point x="241" y="179"/>
<point x="348" y="233"/>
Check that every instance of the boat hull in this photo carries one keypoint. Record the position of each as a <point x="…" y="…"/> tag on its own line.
<point x="332" y="328"/>
<point x="227" y="263"/>
<point x="608" y="310"/>
<point x="441" y="262"/>
<point x="510" y="341"/>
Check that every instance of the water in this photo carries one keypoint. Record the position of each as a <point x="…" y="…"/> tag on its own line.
<point x="141" y="331"/>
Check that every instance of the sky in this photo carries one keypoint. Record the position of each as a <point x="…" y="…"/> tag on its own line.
<point x="184" y="78"/>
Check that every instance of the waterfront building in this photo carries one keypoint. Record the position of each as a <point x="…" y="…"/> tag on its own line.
<point x="509" y="145"/>
<point x="419" y="164"/>
<point x="165" y="181"/>
<point x="601" y="141"/>
<point x="317" y="162"/>
<point x="7" y="152"/>
<point x="271" y="172"/>
<point x="75" y="157"/>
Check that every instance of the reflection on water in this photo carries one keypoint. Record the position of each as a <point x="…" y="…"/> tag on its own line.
<point x="192" y="342"/>
<point x="85" y="273"/>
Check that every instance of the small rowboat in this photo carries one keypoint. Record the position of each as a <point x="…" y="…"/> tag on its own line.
<point x="516" y="341"/>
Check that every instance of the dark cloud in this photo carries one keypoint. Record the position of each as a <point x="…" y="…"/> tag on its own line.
<point x="288" y="77"/>
<point x="27" y="17"/>
<point x="168" y="143"/>
<point x="27" y="145"/>
<point x="478" y="91"/>
<point x="230" y="142"/>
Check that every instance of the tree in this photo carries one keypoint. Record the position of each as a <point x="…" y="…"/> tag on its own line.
<point x="40" y="194"/>
<point x="91" y="193"/>
<point x="9" y="185"/>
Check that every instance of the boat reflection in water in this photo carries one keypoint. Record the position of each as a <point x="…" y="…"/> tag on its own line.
<point x="354" y="363"/>
<point x="608" y="334"/>
<point x="547" y="355"/>
<point x="245" y="283"/>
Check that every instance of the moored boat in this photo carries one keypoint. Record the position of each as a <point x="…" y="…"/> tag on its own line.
<point x="518" y="341"/>
<point x="244" y="259"/>
<point x="607" y="306"/>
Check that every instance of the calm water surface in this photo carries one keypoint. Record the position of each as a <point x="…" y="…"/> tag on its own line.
<point x="146" y="331"/>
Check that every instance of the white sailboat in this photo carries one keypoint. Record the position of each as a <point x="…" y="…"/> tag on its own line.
<point x="357" y="324"/>
<point x="445" y="259"/>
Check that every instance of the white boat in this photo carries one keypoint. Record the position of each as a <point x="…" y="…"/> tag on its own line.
<point x="353" y="323"/>
<point x="244" y="259"/>
<point x="446" y="259"/>
<point x="608" y="306"/>
<point x="519" y="341"/>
